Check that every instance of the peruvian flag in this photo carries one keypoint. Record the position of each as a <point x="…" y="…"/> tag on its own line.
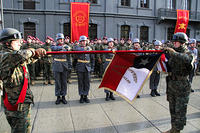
<point x="127" y="73"/>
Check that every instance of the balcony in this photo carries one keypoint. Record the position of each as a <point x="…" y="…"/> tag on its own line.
<point x="171" y="14"/>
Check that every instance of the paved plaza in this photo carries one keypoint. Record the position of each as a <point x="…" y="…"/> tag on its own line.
<point x="146" y="115"/>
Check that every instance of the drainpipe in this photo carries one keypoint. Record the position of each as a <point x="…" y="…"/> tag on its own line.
<point x="2" y="19"/>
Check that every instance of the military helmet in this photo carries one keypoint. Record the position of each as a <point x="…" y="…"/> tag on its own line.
<point x="191" y="41"/>
<point x="82" y="38"/>
<point x="136" y="40"/>
<point x="59" y="36"/>
<point x="157" y="43"/>
<point x="180" y="37"/>
<point x="9" y="34"/>
<point x="110" y="40"/>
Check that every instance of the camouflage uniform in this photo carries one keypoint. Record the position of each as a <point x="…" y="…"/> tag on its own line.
<point x="12" y="76"/>
<point x="178" y="86"/>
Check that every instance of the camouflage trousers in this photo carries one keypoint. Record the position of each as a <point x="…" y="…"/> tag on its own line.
<point x="178" y="97"/>
<point x="19" y="120"/>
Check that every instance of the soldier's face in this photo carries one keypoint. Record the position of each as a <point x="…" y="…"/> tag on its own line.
<point x="16" y="44"/>
<point x="60" y="41"/>
<point x="177" y="44"/>
<point x="83" y="43"/>
<point x="111" y="44"/>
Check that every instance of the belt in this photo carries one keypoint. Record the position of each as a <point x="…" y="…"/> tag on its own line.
<point x="176" y="77"/>
<point x="62" y="60"/>
<point x="83" y="61"/>
<point x="108" y="59"/>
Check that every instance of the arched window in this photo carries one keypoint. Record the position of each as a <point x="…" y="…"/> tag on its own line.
<point x="29" y="29"/>
<point x="144" y="34"/>
<point x="125" y="2"/>
<point x="67" y="29"/>
<point x="92" y="31"/>
<point x="29" y="4"/>
<point x="170" y="32"/>
<point x="125" y="30"/>
<point x="144" y="3"/>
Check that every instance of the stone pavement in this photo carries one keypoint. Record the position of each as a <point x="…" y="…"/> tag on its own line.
<point x="145" y="115"/>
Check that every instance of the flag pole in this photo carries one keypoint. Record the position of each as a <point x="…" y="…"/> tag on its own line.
<point x="2" y="19"/>
<point x="103" y="52"/>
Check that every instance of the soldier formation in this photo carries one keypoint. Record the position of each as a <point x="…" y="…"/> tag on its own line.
<point x="31" y="54"/>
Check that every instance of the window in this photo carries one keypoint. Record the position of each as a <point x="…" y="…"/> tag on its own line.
<point x="92" y="31"/>
<point x="188" y="3"/>
<point x="170" y="33"/>
<point x="144" y="34"/>
<point x="93" y="1"/>
<point x="144" y="3"/>
<point x="67" y="29"/>
<point x="125" y="30"/>
<point x="29" y="29"/>
<point x="125" y="2"/>
<point x="29" y="4"/>
<point x="172" y="4"/>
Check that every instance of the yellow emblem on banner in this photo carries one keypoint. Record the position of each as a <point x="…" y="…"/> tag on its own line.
<point x="80" y="18"/>
<point x="182" y="26"/>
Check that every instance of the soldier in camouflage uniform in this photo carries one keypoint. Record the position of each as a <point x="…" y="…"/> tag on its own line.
<point x="178" y="86"/>
<point x="47" y="61"/>
<point x="17" y="95"/>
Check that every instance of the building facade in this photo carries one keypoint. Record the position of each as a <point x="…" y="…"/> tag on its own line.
<point x="144" y="19"/>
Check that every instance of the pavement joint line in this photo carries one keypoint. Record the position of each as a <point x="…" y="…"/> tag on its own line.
<point x="107" y="116"/>
<point x="35" y="117"/>
<point x="146" y="118"/>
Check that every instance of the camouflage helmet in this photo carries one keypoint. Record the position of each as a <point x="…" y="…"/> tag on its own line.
<point x="180" y="37"/>
<point x="9" y="34"/>
<point x="157" y="43"/>
<point x="59" y="36"/>
<point x="82" y="38"/>
<point x="136" y="40"/>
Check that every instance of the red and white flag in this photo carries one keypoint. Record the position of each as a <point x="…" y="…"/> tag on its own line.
<point x="162" y="66"/>
<point x="127" y="73"/>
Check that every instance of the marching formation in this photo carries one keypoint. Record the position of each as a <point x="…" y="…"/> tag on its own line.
<point x="22" y="61"/>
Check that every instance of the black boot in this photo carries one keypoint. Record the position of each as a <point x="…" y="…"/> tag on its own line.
<point x="192" y="90"/>
<point x="111" y="96"/>
<point x="138" y="96"/>
<point x="153" y="93"/>
<point x="156" y="92"/>
<point x="64" y="101"/>
<point x="86" y="99"/>
<point x="58" y="100"/>
<point x="81" y="99"/>
<point x="107" y="97"/>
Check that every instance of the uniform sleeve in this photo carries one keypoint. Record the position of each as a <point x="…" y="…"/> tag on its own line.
<point x="186" y="58"/>
<point x="11" y="60"/>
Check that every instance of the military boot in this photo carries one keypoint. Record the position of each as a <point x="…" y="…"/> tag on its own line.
<point x="156" y="92"/>
<point x="64" y="101"/>
<point x="152" y="93"/>
<point x="58" y="100"/>
<point x="107" y="97"/>
<point x="81" y="99"/>
<point x="111" y="96"/>
<point x="86" y="99"/>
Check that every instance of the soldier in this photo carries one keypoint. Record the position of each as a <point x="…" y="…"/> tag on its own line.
<point x="155" y="76"/>
<point x="83" y="68"/>
<point x="122" y="45"/>
<point x="17" y="96"/>
<point x="60" y="66"/>
<point x="178" y="85"/>
<point x="47" y="61"/>
<point x="194" y="51"/>
<point x="31" y="67"/>
<point x="106" y="60"/>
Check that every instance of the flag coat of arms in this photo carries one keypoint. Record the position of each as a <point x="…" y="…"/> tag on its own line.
<point x="127" y="73"/>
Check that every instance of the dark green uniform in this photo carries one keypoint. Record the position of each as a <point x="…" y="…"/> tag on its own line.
<point x="178" y="86"/>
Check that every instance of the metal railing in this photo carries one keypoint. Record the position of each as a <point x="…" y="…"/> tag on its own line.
<point x="172" y="14"/>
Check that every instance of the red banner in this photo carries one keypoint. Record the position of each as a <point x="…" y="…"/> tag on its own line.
<point x="79" y="20"/>
<point x="182" y="21"/>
